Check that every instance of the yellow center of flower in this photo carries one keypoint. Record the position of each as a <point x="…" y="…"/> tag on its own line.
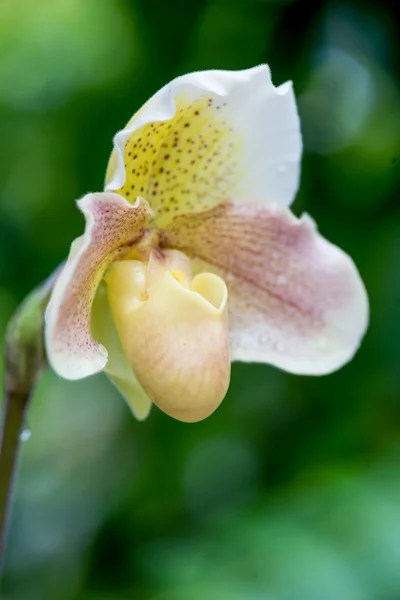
<point x="173" y="330"/>
<point x="187" y="163"/>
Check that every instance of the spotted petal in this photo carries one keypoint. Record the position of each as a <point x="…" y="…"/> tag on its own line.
<point x="207" y="136"/>
<point x="111" y="224"/>
<point x="296" y="301"/>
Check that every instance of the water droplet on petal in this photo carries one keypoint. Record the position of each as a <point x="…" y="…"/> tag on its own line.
<point x="25" y="434"/>
<point x="281" y="280"/>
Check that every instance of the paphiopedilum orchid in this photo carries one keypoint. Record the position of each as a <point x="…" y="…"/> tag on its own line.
<point x="192" y="259"/>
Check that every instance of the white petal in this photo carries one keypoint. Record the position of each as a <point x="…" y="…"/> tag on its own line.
<point x="265" y="127"/>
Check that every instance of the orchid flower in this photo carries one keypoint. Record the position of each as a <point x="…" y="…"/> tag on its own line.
<point x="191" y="258"/>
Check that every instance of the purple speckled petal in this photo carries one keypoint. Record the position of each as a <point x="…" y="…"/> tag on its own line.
<point x="111" y="224"/>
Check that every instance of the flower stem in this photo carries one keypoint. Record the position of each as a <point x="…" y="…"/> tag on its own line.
<point x="14" y="410"/>
<point x="24" y="361"/>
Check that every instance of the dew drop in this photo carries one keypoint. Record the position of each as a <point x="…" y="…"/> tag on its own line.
<point x="25" y="434"/>
<point x="281" y="280"/>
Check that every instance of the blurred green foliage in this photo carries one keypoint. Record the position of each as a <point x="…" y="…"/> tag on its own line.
<point x="291" y="490"/>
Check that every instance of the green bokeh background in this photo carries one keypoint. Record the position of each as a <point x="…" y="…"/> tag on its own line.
<point x="291" y="490"/>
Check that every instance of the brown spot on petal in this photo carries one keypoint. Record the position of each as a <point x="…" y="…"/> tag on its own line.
<point x="193" y="139"/>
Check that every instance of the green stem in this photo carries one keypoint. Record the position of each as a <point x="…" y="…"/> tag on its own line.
<point x="14" y="410"/>
<point x="24" y="361"/>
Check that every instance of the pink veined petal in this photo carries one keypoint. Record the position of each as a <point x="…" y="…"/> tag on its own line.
<point x="295" y="300"/>
<point x="111" y="224"/>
